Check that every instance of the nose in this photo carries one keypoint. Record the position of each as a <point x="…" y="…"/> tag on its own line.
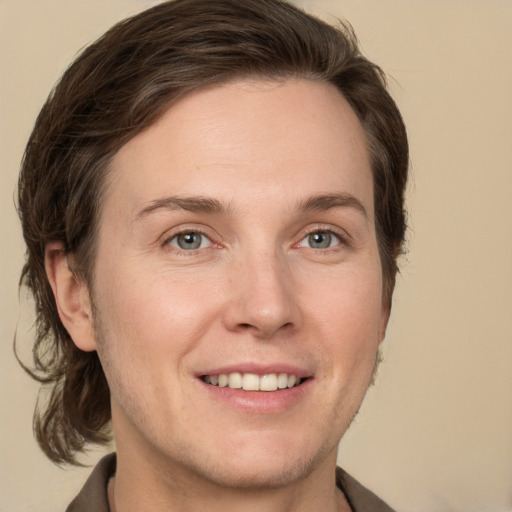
<point x="263" y="298"/>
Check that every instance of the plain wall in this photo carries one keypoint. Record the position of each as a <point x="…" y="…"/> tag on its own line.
<point x="435" y="433"/>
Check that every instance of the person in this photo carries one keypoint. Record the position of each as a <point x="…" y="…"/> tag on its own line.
<point x="212" y="200"/>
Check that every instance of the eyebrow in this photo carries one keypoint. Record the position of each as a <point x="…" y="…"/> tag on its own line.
<point x="201" y="204"/>
<point x="324" y="202"/>
<point x="192" y="204"/>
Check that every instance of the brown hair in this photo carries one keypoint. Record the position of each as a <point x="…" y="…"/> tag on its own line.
<point x="121" y="84"/>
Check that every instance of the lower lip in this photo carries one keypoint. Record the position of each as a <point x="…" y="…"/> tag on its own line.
<point x="259" y="402"/>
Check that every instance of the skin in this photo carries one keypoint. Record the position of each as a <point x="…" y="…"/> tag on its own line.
<point x="256" y="292"/>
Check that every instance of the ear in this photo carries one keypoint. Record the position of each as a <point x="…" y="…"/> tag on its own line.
<point x="71" y="296"/>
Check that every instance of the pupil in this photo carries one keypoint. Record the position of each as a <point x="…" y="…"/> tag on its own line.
<point x="320" y="240"/>
<point x="189" y="240"/>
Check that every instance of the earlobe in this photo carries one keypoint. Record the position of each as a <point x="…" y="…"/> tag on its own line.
<point x="71" y="296"/>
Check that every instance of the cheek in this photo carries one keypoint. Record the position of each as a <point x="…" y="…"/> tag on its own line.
<point x="347" y="313"/>
<point x="351" y="298"/>
<point x="151" y="317"/>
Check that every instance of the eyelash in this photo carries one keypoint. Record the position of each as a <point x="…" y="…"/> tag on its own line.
<point x="340" y="240"/>
<point x="167" y="243"/>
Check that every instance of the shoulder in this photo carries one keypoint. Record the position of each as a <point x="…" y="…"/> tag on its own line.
<point x="93" y="496"/>
<point x="359" y="497"/>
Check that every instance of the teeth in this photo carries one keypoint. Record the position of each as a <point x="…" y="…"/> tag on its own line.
<point x="268" y="382"/>
<point x="282" y="381"/>
<point x="253" y="382"/>
<point x="250" y="382"/>
<point x="223" y="380"/>
<point x="235" y="380"/>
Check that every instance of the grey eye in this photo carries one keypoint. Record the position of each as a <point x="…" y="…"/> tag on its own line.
<point x="320" y="240"/>
<point x="190" y="241"/>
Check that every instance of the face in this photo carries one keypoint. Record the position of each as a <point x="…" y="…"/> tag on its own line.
<point x="238" y="287"/>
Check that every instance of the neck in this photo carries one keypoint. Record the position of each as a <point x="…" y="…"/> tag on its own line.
<point x="135" y="487"/>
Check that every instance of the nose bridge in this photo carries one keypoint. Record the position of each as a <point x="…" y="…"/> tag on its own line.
<point x="263" y="298"/>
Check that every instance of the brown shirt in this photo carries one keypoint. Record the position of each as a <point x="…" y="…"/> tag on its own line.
<point x="93" y="496"/>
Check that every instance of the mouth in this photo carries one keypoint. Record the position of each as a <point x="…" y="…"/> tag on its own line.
<point x="271" y="382"/>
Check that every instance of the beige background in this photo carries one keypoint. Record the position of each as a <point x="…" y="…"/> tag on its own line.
<point x="435" y="434"/>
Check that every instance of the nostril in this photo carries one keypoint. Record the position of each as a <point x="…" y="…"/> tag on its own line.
<point x="264" y="331"/>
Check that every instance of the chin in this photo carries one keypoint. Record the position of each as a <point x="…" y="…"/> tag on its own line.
<point x="263" y="467"/>
<point x="256" y="476"/>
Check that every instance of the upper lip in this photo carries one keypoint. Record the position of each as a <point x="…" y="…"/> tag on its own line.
<point x="258" y="369"/>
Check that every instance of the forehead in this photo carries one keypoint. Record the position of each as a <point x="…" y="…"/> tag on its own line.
<point x="251" y="135"/>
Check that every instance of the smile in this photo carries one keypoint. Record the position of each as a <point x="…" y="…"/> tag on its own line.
<point x="253" y="382"/>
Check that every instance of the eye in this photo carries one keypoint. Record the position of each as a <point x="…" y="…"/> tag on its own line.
<point x="320" y="240"/>
<point x="189" y="241"/>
